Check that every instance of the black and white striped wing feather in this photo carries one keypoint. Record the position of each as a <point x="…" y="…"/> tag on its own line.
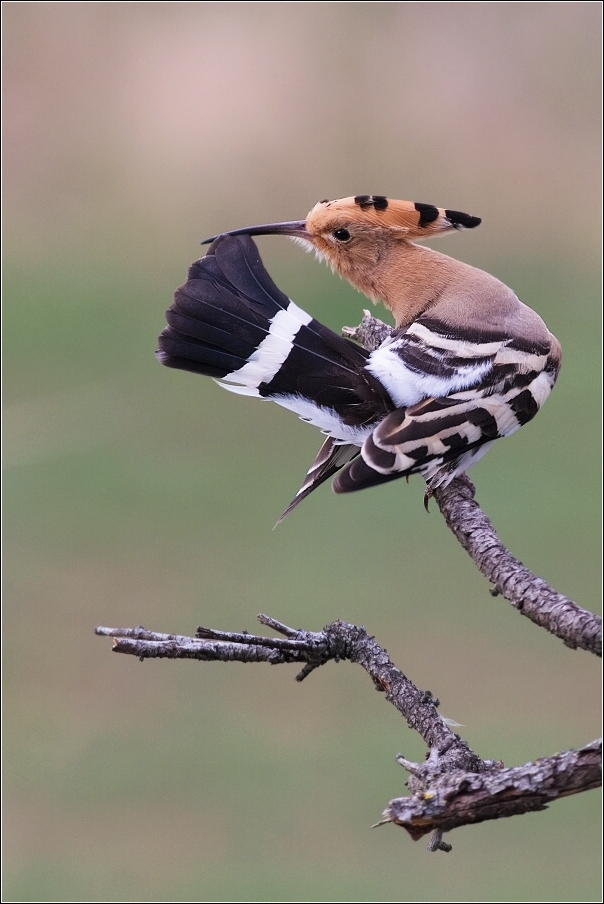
<point x="329" y="459"/>
<point x="456" y="393"/>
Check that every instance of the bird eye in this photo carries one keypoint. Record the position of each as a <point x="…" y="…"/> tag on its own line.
<point x="342" y="235"/>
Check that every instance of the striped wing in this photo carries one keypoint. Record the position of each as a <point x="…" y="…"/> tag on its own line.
<point x="458" y="393"/>
<point x="330" y="458"/>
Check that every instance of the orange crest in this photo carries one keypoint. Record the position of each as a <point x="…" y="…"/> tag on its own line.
<point x="415" y="219"/>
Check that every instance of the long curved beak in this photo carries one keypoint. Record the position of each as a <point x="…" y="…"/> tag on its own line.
<point x="296" y="228"/>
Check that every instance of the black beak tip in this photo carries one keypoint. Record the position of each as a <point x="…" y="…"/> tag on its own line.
<point x="291" y="228"/>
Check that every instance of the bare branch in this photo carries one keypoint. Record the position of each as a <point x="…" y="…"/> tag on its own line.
<point x="463" y="798"/>
<point x="370" y="333"/>
<point x="217" y="646"/>
<point x="531" y="595"/>
<point x="338" y="641"/>
<point x="453" y="787"/>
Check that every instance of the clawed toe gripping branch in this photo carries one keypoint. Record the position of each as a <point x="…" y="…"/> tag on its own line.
<point x="454" y="786"/>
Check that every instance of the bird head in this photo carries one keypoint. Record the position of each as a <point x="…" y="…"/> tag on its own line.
<point x="363" y="237"/>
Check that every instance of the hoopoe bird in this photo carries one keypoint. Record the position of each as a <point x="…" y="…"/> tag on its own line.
<point x="466" y="363"/>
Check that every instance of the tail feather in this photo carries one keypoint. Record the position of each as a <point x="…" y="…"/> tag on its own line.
<point x="231" y="322"/>
<point x="236" y="264"/>
<point x="214" y="327"/>
<point x="247" y="338"/>
<point x="330" y="458"/>
<point x="187" y="353"/>
<point x="358" y="475"/>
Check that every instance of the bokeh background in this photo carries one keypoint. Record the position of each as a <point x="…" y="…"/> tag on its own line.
<point x="135" y="494"/>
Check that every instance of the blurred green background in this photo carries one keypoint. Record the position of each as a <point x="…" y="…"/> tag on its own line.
<point x="138" y="494"/>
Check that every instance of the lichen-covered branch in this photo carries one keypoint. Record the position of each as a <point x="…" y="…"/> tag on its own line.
<point x="531" y="595"/>
<point x="337" y="641"/>
<point x="463" y="798"/>
<point x="453" y="787"/>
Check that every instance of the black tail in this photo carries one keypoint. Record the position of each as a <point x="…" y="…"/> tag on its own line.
<point x="231" y="322"/>
<point x="222" y="313"/>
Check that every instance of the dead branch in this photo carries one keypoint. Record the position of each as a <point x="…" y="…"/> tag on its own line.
<point x="453" y="787"/>
<point x="464" y="798"/>
<point x="529" y="594"/>
<point x="338" y="641"/>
